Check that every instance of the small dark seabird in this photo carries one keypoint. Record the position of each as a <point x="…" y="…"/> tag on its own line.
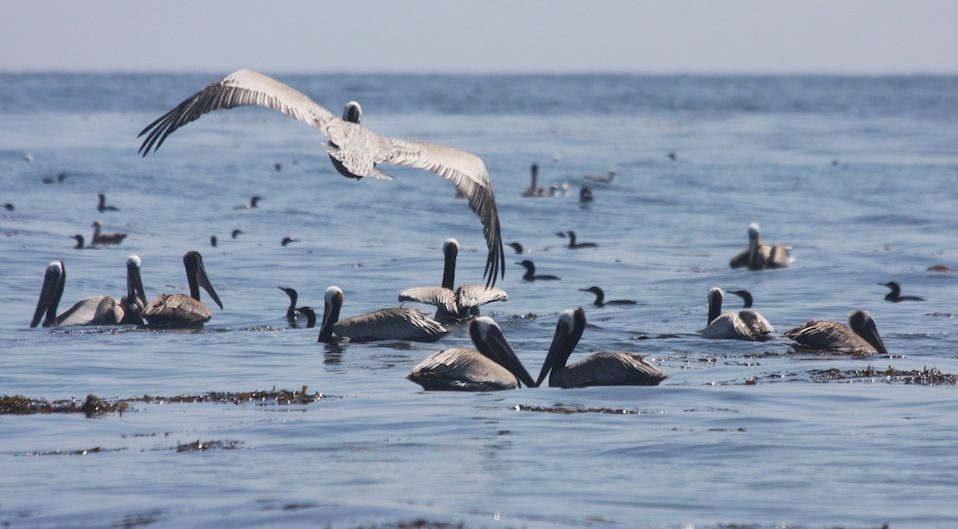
<point x="600" y="369"/>
<point x="296" y="315"/>
<point x="742" y="325"/>
<point x="97" y="310"/>
<point x="287" y="240"/>
<point x="491" y="366"/>
<point x="105" y="238"/>
<point x="576" y="245"/>
<point x="895" y="295"/>
<point x="530" y="274"/>
<point x="603" y="179"/>
<point x="179" y="311"/>
<point x="759" y="256"/>
<point x="516" y="246"/>
<point x="357" y="150"/>
<point x="236" y="232"/>
<point x="8" y="206"/>
<point x="81" y="243"/>
<point x="213" y="241"/>
<point x="534" y="190"/>
<point x="253" y="203"/>
<point x="585" y="195"/>
<point x="383" y="324"/>
<point x="454" y="305"/>
<point x="600" y="298"/>
<point x="103" y="207"/>
<point x="860" y="337"/>
<point x="58" y="180"/>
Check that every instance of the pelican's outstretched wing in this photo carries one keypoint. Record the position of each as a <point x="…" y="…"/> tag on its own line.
<point x="357" y="148"/>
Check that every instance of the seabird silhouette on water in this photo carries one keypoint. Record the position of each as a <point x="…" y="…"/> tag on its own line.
<point x="358" y="149"/>
<point x="253" y="201"/>
<point x="600" y="298"/>
<point x="895" y="295"/>
<point x="103" y="207"/>
<point x="530" y="274"/>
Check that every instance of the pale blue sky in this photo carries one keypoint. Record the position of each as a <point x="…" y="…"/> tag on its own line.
<point x="676" y="36"/>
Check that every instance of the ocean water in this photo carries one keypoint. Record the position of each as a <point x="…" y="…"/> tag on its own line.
<point x="859" y="174"/>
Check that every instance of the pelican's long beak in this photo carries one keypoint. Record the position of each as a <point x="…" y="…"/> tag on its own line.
<point x="53" y="281"/>
<point x="507" y="357"/>
<point x="204" y="281"/>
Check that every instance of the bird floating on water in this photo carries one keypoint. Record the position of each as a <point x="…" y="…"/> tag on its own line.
<point x="577" y="245"/>
<point x="358" y="150"/>
<point x="759" y="256"/>
<point x="600" y="369"/>
<point x="179" y="311"/>
<point x="599" y="179"/>
<point x="493" y="365"/>
<point x="253" y="202"/>
<point x="103" y="207"/>
<point x="600" y="298"/>
<point x="105" y="238"/>
<point x="742" y="325"/>
<point x="384" y="324"/>
<point x="236" y="232"/>
<point x="534" y="190"/>
<point x="895" y="295"/>
<point x="81" y="243"/>
<point x="454" y="304"/>
<point x="585" y="195"/>
<point x="295" y="315"/>
<point x="530" y="274"/>
<point x="859" y="337"/>
<point x="96" y="310"/>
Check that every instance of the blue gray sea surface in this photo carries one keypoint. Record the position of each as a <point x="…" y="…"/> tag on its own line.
<point x="858" y="174"/>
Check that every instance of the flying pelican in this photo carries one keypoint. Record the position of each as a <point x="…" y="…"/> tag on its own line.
<point x="576" y="245"/>
<point x="294" y="315"/>
<point x="454" y="304"/>
<point x="492" y="366"/>
<point x="742" y="325"/>
<point x="530" y="274"/>
<point x="600" y="298"/>
<point x="383" y="324"/>
<point x="179" y="311"/>
<point x="105" y="238"/>
<point x="759" y="256"/>
<point x="358" y="149"/>
<point x="534" y="190"/>
<point x="103" y="207"/>
<point x="859" y="337"/>
<point x="96" y="310"/>
<point x="600" y="369"/>
<point x="253" y="201"/>
<point x="895" y="295"/>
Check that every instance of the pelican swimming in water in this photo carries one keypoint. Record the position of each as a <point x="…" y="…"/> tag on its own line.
<point x="742" y="325"/>
<point x="294" y="314"/>
<point x="454" y="304"/>
<point x="600" y="369"/>
<point x="600" y="298"/>
<point x="384" y="324"/>
<point x="530" y="274"/>
<point x="358" y="149"/>
<point x="534" y="190"/>
<point x="759" y="256"/>
<point x="179" y="311"/>
<point x="491" y="366"/>
<point x="859" y="337"/>
<point x="577" y="245"/>
<point x="96" y="310"/>
<point x="105" y="238"/>
<point x="103" y="207"/>
<point x="895" y="295"/>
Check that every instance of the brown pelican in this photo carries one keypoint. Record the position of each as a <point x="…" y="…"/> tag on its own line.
<point x="895" y="295"/>
<point x="530" y="274"/>
<point x="253" y="202"/>
<point x="358" y="149"/>
<point x="600" y="298"/>
<point x="759" y="256"/>
<point x="383" y="324"/>
<point x="96" y="310"/>
<point x="743" y="325"/>
<point x="859" y="337"/>
<point x="576" y="245"/>
<point x="295" y="315"/>
<point x="103" y="207"/>
<point x="454" y="305"/>
<point x="600" y="369"/>
<point x="179" y="311"/>
<point x="105" y="238"/>
<point x="534" y="190"/>
<point x="492" y="366"/>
